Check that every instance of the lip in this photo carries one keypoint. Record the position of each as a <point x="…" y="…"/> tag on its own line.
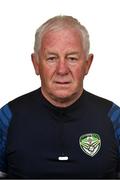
<point x="62" y="84"/>
<point x="59" y="82"/>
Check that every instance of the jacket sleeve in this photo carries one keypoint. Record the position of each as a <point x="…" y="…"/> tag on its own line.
<point x="5" y="117"/>
<point x="114" y="115"/>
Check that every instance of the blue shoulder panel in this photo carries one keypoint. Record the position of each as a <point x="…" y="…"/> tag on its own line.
<point x="114" y="115"/>
<point x="5" y="117"/>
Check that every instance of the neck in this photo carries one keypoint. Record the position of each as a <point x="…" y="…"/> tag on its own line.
<point x="62" y="102"/>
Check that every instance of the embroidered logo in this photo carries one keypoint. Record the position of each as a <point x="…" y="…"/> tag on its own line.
<point x="90" y="143"/>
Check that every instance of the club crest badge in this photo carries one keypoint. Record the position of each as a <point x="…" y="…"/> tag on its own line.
<point x="90" y="143"/>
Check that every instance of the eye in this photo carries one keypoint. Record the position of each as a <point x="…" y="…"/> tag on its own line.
<point x="51" y="59"/>
<point x="72" y="59"/>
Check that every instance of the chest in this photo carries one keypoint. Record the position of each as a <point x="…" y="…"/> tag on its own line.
<point x="47" y="147"/>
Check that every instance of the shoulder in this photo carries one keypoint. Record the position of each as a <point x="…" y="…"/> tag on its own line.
<point x="97" y="102"/>
<point x="25" y="98"/>
<point x="19" y="104"/>
<point x="104" y="104"/>
<point x="13" y="109"/>
<point x="24" y="101"/>
<point x="109" y="109"/>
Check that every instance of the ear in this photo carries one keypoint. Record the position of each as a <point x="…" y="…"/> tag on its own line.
<point x="88" y="63"/>
<point x="35" y="62"/>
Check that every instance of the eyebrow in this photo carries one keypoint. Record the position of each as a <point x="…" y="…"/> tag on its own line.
<point x="68" y="53"/>
<point x="51" y="53"/>
<point x="73" y="53"/>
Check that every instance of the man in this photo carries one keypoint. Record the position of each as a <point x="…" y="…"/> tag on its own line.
<point x="60" y="130"/>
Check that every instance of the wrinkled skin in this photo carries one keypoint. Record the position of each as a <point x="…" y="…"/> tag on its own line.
<point x="62" y="64"/>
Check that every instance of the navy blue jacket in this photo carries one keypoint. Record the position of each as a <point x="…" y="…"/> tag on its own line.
<point x="39" y="140"/>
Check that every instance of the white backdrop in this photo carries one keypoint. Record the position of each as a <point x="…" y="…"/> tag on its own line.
<point x="18" y="22"/>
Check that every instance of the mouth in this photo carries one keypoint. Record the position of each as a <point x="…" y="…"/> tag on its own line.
<point x="62" y="83"/>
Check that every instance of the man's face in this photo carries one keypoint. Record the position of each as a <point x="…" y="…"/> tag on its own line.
<point x="62" y="64"/>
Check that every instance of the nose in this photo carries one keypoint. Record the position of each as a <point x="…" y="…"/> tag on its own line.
<point x="62" y="67"/>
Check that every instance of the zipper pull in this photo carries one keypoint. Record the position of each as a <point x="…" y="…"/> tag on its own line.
<point x="63" y="158"/>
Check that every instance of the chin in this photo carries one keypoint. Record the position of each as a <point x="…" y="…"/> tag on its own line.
<point x="63" y="94"/>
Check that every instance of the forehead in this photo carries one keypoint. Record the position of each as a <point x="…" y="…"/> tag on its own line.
<point x="64" y="38"/>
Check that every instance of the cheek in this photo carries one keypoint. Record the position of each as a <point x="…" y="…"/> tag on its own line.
<point x="46" y="73"/>
<point x="79" y="73"/>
